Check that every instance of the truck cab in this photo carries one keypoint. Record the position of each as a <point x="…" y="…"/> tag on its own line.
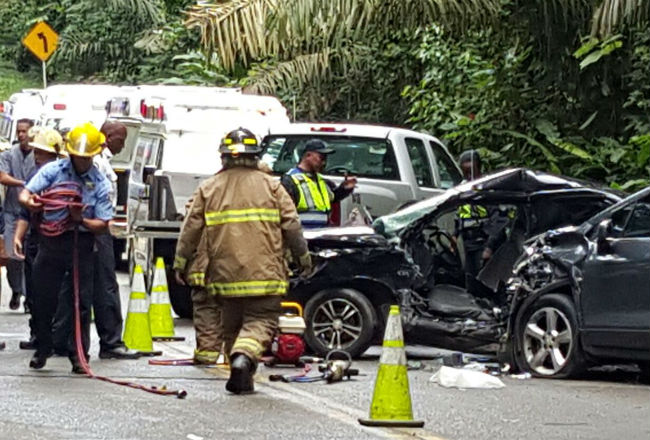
<point x="394" y="166"/>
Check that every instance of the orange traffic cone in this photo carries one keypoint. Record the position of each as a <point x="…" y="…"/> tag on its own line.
<point x="137" y="333"/>
<point x="160" y="310"/>
<point x="391" y="401"/>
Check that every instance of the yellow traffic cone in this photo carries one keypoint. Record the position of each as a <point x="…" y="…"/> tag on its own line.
<point x="160" y="310"/>
<point x="391" y="401"/>
<point x="137" y="334"/>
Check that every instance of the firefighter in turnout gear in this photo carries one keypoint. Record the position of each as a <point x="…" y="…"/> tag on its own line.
<point x="312" y="194"/>
<point x="247" y="218"/>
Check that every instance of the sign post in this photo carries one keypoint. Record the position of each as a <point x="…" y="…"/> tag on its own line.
<point x="42" y="41"/>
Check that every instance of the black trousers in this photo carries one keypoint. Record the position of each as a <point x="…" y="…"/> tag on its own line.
<point x="106" y="294"/>
<point x="52" y="278"/>
<point x="30" y="249"/>
<point x="105" y="300"/>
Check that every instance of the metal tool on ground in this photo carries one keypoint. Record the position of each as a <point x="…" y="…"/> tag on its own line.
<point x="336" y="369"/>
<point x="391" y="401"/>
<point x="288" y="346"/>
<point x="61" y="197"/>
<point x="160" y="309"/>
<point x="137" y="330"/>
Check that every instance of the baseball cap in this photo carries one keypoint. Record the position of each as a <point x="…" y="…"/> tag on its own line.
<point x="318" y="146"/>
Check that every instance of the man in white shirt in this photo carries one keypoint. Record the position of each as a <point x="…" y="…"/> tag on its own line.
<point x="106" y="292"/>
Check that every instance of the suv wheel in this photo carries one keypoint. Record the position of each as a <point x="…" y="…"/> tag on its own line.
<point x="339" y="319"/>
<point x="546" y="340"/>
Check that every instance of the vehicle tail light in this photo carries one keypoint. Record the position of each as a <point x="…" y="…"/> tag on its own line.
<point x="2" y="107"/>
<point x="335" y="215"/>
<point x="143" y="109"/>
<point x="161" y="113"/>
<point x="59" y="106"/>
<point x="328" y="129"/>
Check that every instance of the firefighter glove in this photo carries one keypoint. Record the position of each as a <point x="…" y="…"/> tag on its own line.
<point x="306" y="268"/>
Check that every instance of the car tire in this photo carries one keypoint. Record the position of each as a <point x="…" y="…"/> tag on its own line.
<point x="339" y="319"/>
<point x="180" y="297"/>
<point x="547" y="342"/>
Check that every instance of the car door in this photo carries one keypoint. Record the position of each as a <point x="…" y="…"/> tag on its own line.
<point x="615" y="300"/>
<point x="421" y="163"/>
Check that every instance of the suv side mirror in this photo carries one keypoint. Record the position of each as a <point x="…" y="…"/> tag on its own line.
<point x="603" y="230"/>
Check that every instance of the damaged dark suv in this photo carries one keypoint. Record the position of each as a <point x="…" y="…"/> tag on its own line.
<point x="414" y="258"/>
<point x="583" y="293"/>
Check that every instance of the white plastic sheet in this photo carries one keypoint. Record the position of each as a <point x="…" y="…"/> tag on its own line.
<point x="458" y="378"/>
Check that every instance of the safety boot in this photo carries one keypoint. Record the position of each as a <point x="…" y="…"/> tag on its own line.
<point x="242" y="370"/>
<point x="28" y="345"/>
<point x="38" y="361"/>
<point x="76" y="365"/>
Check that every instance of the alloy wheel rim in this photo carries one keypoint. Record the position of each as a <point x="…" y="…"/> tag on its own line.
<point x="337" y="323"/>
<point x="548" y="340"/>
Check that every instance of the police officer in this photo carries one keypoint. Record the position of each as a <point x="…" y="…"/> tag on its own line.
<point x="53" y="267"/>
<point x="47" y="145"/>
<point x="247" y="218"/>
<point x="17" y="165"/>
<point x="313" y="195"/>
<point x="481" y="228"/>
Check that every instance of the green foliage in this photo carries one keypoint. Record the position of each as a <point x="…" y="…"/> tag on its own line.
<point x="103" y="40"/>
<point x="490" y="90"/>
<point x="12" y="81"/>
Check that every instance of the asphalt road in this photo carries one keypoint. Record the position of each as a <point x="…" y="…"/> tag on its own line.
<point x="54" y="404"/>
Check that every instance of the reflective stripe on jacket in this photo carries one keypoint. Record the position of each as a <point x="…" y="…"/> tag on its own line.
<point x="314" y="202"/>
<point x="243" y="214"/>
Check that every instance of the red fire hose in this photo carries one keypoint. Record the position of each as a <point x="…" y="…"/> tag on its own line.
<point x="59" y="198"/>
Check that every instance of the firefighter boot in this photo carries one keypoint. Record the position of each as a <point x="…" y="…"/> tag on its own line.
<point x="38" y="361"/>
<point x="242" y="370"/>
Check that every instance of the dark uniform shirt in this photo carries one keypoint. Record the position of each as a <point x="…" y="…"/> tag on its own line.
<point x="19" y="166"/>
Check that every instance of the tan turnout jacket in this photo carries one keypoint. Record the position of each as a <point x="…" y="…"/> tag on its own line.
<point x="245" y="216"/>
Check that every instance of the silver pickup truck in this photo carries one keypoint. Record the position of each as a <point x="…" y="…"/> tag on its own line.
<point x="394" y="166"/>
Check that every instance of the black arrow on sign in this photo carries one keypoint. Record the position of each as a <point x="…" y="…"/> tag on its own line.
<point x="42" y="36"/>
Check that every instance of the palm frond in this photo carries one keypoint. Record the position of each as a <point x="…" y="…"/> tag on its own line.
<point x="304" y="69"/>
<point x="234" y="29"/>
<point x="245" y="30"/>
<point x="611" y="15"/>
<point x="148" y="10"/>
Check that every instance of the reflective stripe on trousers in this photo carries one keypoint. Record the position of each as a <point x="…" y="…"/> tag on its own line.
<point x="249" y="288"/>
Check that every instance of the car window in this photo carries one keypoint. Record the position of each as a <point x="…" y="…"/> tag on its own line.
<point x="142" y="152"/>
<point x="449" y="175"/>
<point x="5" y="127"/>
<point x="363" y="157"/>
<point x="638" y="223"/>
<point x="419" y="161"/>
<point x="551" y="213"/>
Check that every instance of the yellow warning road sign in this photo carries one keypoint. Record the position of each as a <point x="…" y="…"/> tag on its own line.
<point x="41" y="40"/>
